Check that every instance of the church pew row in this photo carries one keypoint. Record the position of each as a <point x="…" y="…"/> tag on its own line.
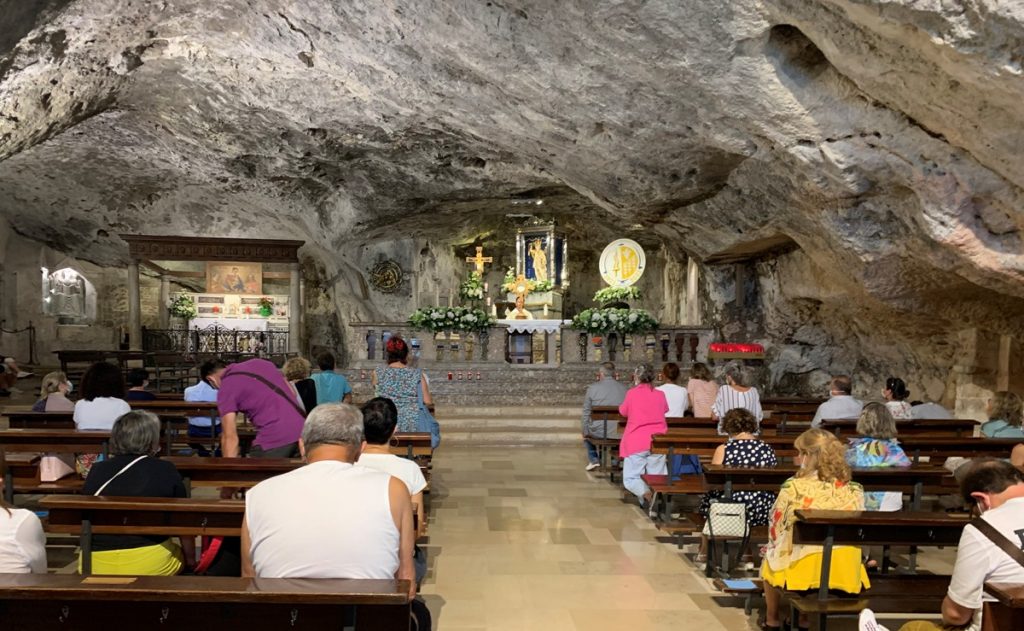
<point x="51" y="602"/>
<point x="19" y="462"/>
<point x="915" y="481"/>
<point x="917" y="447"/>
<point x="901" y="594"/>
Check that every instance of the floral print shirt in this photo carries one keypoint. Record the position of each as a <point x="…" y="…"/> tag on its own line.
<point x="867" y="453"/>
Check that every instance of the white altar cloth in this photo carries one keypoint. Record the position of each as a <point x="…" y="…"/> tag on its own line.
<point x="232" y="324"/>
<point x="533" y="326"/>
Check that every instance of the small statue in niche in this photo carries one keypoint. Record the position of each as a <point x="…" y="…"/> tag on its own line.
<point x="540" y="261"/>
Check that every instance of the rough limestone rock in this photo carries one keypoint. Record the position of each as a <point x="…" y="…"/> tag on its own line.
<point x="881" y="136"/>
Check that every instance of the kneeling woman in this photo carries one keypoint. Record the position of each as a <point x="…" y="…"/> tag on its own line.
<point x="823" y="483"/>
<point x="133" y="471"/>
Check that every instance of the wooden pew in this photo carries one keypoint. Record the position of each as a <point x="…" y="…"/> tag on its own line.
<point x="89" y="515"/>
<point x="174" y="423"/>
<point x="1007" y="612"/>
<point x="951" y="428"/>
<point x="855" y="528"/>
<point x="229" y="472"/>
<point x="36" y="441"/>
<point x="52" y="602"/>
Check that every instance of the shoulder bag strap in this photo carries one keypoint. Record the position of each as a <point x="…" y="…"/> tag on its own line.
<point x="114" y="477"/>
<point x="270" y="385"/>
<point x="999" y="539"/>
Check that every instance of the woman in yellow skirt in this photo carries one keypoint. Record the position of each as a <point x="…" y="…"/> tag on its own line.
<point x="823" y="482"/>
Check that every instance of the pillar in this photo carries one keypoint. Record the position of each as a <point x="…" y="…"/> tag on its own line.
<point x="134" y="308"/>
<point x="165" y="299"/>
<point x="294" y="309"/>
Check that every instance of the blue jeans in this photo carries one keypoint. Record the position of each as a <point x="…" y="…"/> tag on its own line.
<point x="638" y="464"/>
<point x="592" y="454"/>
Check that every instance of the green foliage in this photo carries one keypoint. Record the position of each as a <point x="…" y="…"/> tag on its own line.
<point x="183" y="306"/>
<point x="603" y="321"/>
<point x="472" y="289"/>
<point x="617" y="294"/>
<point x="439" y="319"/>
<point x="509" y="283"/>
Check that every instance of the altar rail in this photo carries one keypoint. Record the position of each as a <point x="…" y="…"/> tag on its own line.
<point x="215" y="340"/>
<point x="681" y="344"/>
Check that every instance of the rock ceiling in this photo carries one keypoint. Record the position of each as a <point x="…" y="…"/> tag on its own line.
<point x="882" y="136"/>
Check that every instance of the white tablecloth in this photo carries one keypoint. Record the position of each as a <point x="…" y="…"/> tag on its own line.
<point x="234" y="324"/>
<point x="534" y="326"/>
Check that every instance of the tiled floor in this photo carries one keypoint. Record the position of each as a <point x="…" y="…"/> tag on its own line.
<point x="526" y="539"/>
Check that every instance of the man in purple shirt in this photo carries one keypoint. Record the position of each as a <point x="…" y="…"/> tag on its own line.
<point x="258" y="389"/>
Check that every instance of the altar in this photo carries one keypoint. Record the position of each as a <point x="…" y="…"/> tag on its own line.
<point x="232" y="324"/>
<point x="522" y="344"/>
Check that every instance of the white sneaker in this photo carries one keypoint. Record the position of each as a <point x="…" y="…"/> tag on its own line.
<point x="593" y="465"/>
<point x="868" y="622"/>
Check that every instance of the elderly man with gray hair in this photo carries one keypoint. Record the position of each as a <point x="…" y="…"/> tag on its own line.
<point x="329" y="518"/>
<point x="605" y="392"/>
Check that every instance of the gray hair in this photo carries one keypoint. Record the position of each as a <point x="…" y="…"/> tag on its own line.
<point x="644" y="373"/>
<point x="606" y="369"/>
<point x="735" y="372"/>
<point x="135" y="433"/>
<point x="333" y="424"/>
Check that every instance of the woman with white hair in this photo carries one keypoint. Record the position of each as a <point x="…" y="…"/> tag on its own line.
<point x="133" y="470"/>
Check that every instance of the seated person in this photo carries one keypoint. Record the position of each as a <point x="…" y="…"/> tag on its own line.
<point x="744" y="449"/>
<point x="297" y="370"/>
<point x="330" y="518"/>
<point x="22" y="541"/>
<point x="53" y="394"/>
<point x="331" y="387"/>
<point x="841" y="404"/>
<point x="606" y="391"/>
<point x="134" y="471"/>
<point x="877" y="447"/>
<point x="1005" y="413"/>
<point x="823" y="482"/>
<point x="380" y="418"/>
<point x="9" y="372"/>
<point x="204" y="392"/>
<point x="997" y="489"/>
<point x="736" y="394"/>
<point x="138" y="381"/>
<point x="101" y="404"/>
<point x="928" y="410"/>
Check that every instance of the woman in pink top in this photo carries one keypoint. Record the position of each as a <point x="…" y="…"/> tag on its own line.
<point x="644" y="409"/>
<point x="703" y="391"/>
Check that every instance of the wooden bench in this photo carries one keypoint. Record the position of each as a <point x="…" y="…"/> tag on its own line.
<point x="1007" y="611"/>
<point x="952" y="428"/>
<point x="229" y="472"/>
<point x="36" y="441"/>
<point x="52" y="602"/>
<point x="856" y="528"/>
<point x="87" y="516"/>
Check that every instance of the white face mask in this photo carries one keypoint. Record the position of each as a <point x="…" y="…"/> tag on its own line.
<point x="71" y="387"/>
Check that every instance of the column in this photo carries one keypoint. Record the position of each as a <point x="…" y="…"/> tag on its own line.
<point x="550" y="348"/>
<point x="294" y="310"/>
<point x="134" y="308"/>
<point x="165" y="299"/>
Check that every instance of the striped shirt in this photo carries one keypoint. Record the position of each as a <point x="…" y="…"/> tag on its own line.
<point x="729" y="399"/>
<point x="703" y="394"/>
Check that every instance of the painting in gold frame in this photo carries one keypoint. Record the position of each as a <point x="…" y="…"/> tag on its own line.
<point x="234" y="278"/>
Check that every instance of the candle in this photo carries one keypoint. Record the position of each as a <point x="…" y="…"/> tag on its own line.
<point x="449" y="300"/>
<point x="494" y="310"/>
<point x="486" y="288"/>
<point x="545" y="311"/>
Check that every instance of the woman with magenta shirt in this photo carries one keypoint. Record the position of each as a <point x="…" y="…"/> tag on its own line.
<point x="644" y="410"/>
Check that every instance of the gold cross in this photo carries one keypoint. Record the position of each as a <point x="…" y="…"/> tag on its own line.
<point x="479" y="259"/>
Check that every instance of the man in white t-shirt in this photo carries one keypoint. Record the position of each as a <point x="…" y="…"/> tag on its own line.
<point x="330" y="518"/>
<point x="997" y="488"/>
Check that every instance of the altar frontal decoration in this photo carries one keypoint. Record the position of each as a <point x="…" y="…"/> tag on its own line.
<point x="622" y="263"/>
<point x="625" y="321"/>
<point x="451" y="319"/>
<point x="726" y="350"/>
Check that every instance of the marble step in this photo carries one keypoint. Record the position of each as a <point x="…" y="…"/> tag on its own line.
<point x="522" y="438"/>
<point x="517" y="411"/>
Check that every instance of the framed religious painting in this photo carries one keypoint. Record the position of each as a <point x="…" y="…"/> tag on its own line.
<point x="234" y="278"/>
<point x="541" y="254"/>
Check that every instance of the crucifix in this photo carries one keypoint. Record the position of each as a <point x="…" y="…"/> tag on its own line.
<point x="479" y="260"/>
